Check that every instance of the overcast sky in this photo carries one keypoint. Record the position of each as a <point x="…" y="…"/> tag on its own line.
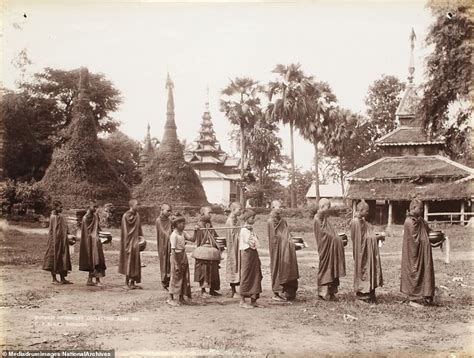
<point x="347" y="44"/>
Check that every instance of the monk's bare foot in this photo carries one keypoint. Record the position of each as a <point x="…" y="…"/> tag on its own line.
<point x="245" y="305"/>
<point x="55" y="282"/>
<point x="165" y="288"/>
<point x="90" y="283"/>
<point x="214" y="293"/>
<point x="66" y="282"/>
<point x="99" y="284"/>
<point x="172" y="303"/>
<point x="143" y="265"/>
<point x="278" y="298"/>
<point x="254" y="304"/>
<point x="230" y="294"/>
<point x="415" y="304"/>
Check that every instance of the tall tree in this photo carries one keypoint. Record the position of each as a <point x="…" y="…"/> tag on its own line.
<point x="290" y="104"/>
<point x="449" y="75"/>
<point x="314" y="127"/>
<point x="61" y="86"/>
<point x="338" y="137"/>
<point x="382" y="100"/>
<point x="240" y="102"/>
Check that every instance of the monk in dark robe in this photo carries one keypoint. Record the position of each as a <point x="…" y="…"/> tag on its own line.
<point x="417" y="272"/>
<point x="332" y="264"/>
<point x="233" y="253"/>
<point x="206" y="272"/>
<point x="91" y="254"/>
<point x="163" y="232"/>
<point x="57" y="259"/>
<point x="367" y="266"/>
<point x="283" y="262"/>
<point x="129" y="258"/>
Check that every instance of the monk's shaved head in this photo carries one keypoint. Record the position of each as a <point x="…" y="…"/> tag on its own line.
<point x="362" y="205"/>
<point x="276" y="204"/>
<point x="165" y="210"/>
<point x="165" y="206"/>
<point x="235" y="205"/>
<point x="206" y="210"/>
<point x="415" y="203"/>
<point x="324" y="204"/>
<point x="235" y="208"/>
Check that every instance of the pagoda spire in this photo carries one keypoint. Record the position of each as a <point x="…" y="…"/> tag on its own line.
<point x="170" y="137"/>
<point x="411" y="66"/>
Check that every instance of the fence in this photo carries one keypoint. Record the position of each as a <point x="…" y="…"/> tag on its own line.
<point x="454" y="217"/>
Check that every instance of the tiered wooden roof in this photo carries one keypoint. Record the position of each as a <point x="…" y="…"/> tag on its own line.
<point x="411" y="170"/>
<point x="207" y="157"/>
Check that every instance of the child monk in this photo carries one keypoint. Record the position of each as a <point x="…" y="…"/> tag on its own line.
<point x="57" y="259"/>
<point x="417" y="276"/>
<point x="250" y="266"/>
<point x="91" y="254"/>
<point x="179" y="281"/>
<point x="367" y="266"/>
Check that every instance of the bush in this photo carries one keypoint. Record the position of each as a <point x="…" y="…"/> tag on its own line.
<point x="24" y="197"/>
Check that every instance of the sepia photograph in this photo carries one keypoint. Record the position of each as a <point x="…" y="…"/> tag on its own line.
<point x="244" y="178"/>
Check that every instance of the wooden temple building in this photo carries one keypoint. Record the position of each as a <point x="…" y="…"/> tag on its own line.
<point x="413" y="165"/>
<point x="217" y="171"/>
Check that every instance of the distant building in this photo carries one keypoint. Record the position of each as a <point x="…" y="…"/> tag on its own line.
<point x="148" y="152"/>
<point x="413" y="166"/>
<point x="333" y="192"/>
<point x="217" y="171"/>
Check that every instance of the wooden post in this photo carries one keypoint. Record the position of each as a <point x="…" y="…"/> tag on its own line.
<point x="462" y="212"/>
<point x="390" y="214"/>
<point x="354" y="208"/>
<point x="425" y="210"/>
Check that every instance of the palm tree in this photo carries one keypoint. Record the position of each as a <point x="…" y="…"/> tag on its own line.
<point x="317" y="124"/>
<point x="241" y="105"/>
<point x="342" y="129"/>
<point x="290" y="104"/>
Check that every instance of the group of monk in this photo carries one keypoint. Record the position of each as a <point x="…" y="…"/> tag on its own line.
<point x="243" y="266"/>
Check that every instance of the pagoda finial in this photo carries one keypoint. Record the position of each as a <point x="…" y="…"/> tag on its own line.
<point x="170" y="86"/>
<point x="83" y="80"/>
<point x="411" y="66"/>
<point x="207" y="99"/>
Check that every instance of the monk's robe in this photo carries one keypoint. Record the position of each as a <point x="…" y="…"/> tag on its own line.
<point x="233" y="253"/>
<point x="179" y="279"/>
<point x="57" y="259"/>
<point x="91" y="254"/>
<point x="250" y="265"/>
<point x="163" y="232"/>
<point x="417" y="276"/>
<point x="129" y="258"/>
<point x="283" y="262"/>
<point x="367" y="265"/>
<point x="206" y="272"/>
<point x="332" y="264"/>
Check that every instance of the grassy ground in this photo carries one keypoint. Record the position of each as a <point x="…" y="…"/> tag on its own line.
<point x="36" y="314"/>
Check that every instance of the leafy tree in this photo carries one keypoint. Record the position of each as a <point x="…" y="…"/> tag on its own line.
<point x="449" y="75"/>
<point x="61" y="86"/>
<point x="290" y="104"/>
<point x="124" y="156"/>
<point x="25" y="156"/>
<point x="382" y="100"/>
<point x="303" y="181"/>
<point x="241" y="104"/>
